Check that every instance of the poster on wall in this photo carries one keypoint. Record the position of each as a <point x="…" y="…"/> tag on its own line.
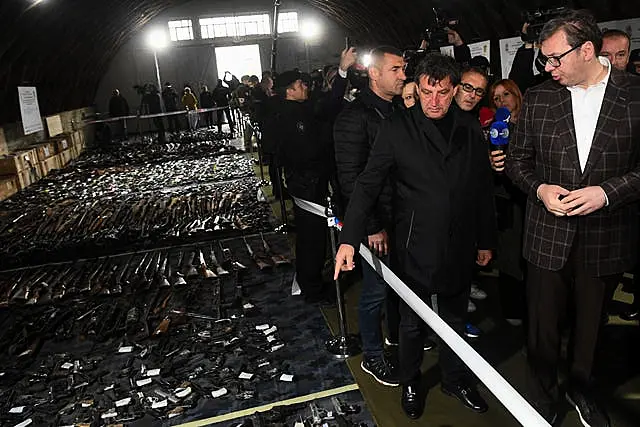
<point x="29" y="110"/>
<point x="629" y="26"/>
<point x="54" y="125"/>
<point x="508" y="49"/>
<point x="481" y="49"/>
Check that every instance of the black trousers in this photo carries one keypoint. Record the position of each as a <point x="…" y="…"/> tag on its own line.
<point x="311" y="247"/>
<point x="227" y="113"/>
<point x="453" y="310"/>
<point x="549" y="294"/>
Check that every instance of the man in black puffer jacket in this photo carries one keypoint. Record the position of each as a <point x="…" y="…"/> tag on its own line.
<point x="354" y="132"/>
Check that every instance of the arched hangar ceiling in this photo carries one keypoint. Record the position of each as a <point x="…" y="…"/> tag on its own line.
<point x="63" y="47"/>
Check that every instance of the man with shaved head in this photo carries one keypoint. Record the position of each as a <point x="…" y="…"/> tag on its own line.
<point x="616" y="47"/>
<point x="354" y="132"/>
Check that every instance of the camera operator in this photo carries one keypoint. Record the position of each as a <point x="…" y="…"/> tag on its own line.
<point x="443" y="219"/>
<point x="522" y="67"/>
<point x="354" y="132"/>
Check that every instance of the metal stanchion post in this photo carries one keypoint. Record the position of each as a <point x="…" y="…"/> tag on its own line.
<point x="258" y="135"/>
<point x="344" y="345"/>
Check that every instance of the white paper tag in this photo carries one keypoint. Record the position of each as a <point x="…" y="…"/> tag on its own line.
<point x="111" y="387"/>
<point x="270" y="330"/>
<point x="127" y="349"/>
<point x="286" y="377"/>
<point x="142" y="383"/>
<point x="17" y="410"/>
<point x="162" y="404"/>
<point x="298" y="424"/>
<point x="183" y="392"/>
<point x="25" y="423"/>
<point x="248" y="306"/>
<point x="262" y="327"/>
<point x="109" y="415"/>
<point x="153" y="372"/>
<point x="277" y="347"/>
<point x="245" y="376"/>
<point x="264" y="364"/>
<point x="271" y="338"/>
<point x="86" y="404"/>
<point x="219" y="393"/>
<point x="67" y="366"/>
<point x="123" y="402"/>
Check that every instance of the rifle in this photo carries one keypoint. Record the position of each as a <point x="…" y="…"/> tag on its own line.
<point x="204" y="270"/>
<point x="188" y="269"/>
<point x="277" y="259"/>
<point x="261" y="262"/>
<point x="219" y="270"/>
<point x="179" y="279"/>
<point x="229" y="260"/>
<point x="161" y="272"/>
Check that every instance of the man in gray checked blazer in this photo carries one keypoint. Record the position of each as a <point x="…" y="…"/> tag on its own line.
<point x="576" y="153"/>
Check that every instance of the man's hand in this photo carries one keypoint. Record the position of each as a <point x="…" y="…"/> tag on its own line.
<point x="550" y="196"/>
<point x="454" y="38"/>
<point x="584" y="201"/>
<point x="344" y="260"/>
<point x="497" y="159"/>
<point x="379" y="243"/>
<point x="484" y="256"/>
<point x="347" y="58"/>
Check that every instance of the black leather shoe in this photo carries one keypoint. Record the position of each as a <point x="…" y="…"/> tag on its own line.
<point x="467" y="395"/>
<point x="591" y="413"/>
<point x="412" y="402"/>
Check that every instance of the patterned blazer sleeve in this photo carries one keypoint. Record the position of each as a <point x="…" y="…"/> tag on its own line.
<point x="521" y="162"/>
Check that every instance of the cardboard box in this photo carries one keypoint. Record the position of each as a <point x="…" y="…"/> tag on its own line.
<point x="62" y="143"/>
<point x="28" y="177"/>
<point x="65" y="157"/>
<point x="18" y="161"/>
<point x="4" y="148"/>
<point x="45" y="150"/>
<point x="50" y="164"/>
<point x="8" y="186"/>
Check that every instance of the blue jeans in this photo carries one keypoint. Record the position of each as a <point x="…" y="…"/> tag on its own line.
<point x="375" y="293"/>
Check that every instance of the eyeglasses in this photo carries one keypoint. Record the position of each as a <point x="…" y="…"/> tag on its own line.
<point x="468" y="88"/>
<point x="554" y="61"/>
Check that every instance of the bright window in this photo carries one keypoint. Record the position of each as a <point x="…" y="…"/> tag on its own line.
<point x="246" y="25"/>
<point x="288" y="22"/>
<point x="181" y="30"/>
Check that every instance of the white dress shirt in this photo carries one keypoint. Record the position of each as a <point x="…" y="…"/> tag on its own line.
<point x="586" y="104"/>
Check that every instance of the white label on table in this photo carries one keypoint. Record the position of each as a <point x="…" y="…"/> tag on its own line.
<point x="67" y="366"/>
<point x="277" y="347"/>
<point x="183" y="392"/>
<point x="25" y="423"/>
<point x="123" y="402"/>
<point x="245" y="376"/>
<point x="142" y="383"/>
<point x="264" y="364"/>
<point x="219" y="393"/>
<point x="153" y="372"/>
<point x="262" y="327"/>
<point x="286" y="377"/>
<point x="109" y="415"/>
<point x="127" y="349"/>
<point x="270" y="330"/>
<point x="111" y="387"/>
<point x="162" y="404"/>
<point x="17" y="410"/>
<point x="248" y="306"/>
<point x="271" y="338"/>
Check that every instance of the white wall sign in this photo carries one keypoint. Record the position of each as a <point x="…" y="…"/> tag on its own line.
<point x="629" y="26"/>
<point x="29" y="110"/>
<point x="508" y="49"/>
<point x="481" y="49"/>
<point x="447" y="51"/>
<point x="54" y="125"/>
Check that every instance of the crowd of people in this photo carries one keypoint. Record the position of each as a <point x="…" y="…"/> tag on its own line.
<point x="409" y="162"/>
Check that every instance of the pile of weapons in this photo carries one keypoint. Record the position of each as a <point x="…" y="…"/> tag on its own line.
<point x="313" y="414"/>
<point x="139" y="219"/>
<point x="186" y="145"/>
<point x="120" y="275"/>
<point x="91" y="184"/>
<point x="179" y="332"/>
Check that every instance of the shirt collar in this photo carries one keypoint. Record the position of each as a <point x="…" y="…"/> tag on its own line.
<point x="605" y="80"/>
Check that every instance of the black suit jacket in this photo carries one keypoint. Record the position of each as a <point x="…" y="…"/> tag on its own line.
<point x="544" y="150"/>
<point x="443" y="201"/>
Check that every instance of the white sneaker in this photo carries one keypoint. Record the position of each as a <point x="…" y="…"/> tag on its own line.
<point x="471" y="307"/>
<point x="477" y="293"/>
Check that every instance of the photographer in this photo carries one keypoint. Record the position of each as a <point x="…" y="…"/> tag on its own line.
<point x="354" y="132"/>
<point x="443" y="221"/>
<point x="522" y="67"/>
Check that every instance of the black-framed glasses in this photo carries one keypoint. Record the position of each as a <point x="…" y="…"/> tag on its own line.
<point x="468" y="88"/>
<point x="554" y="61"/>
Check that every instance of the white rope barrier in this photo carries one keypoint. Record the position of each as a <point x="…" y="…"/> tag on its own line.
<point x="152" y="116"/>
<point x="501" y="389"/>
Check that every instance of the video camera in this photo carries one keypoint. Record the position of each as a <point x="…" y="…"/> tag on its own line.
<point x="536" y="20"/>
<point x="435" y="37"/>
